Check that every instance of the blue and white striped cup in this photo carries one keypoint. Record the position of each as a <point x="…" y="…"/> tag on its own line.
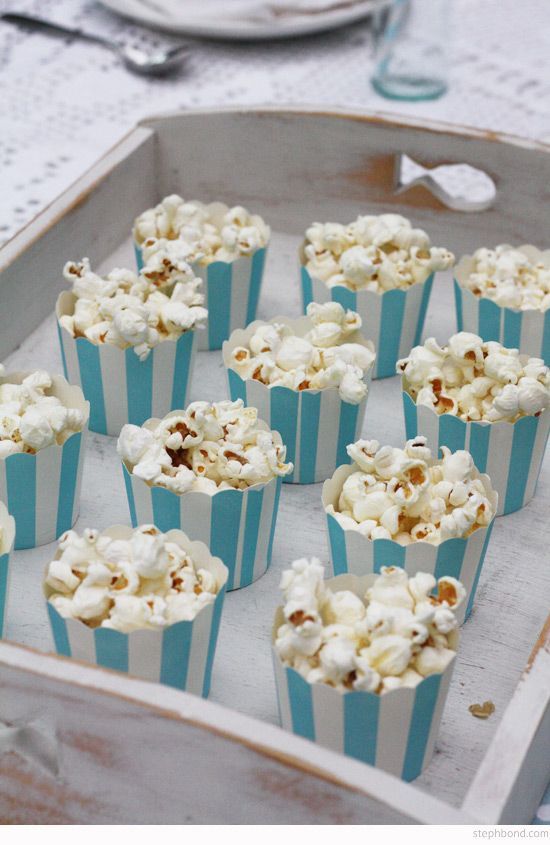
<point x="393" y="320"/>
<point x="510" y="453"/>
<point x="528" y="331"/>
<point x="121" y="388"/>
<point x="460" y="558"/>
<point x="395" y="731"/>
<point x="42" y="491"/>
<point x="7" y="536"/>
<point x="231" y="294"/>
<point x="238" y="526"/>
<point x="315" y="425"/>
<point x="180" y="655"/>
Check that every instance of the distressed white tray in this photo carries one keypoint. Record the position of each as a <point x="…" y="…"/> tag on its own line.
<point x="120" y="741"/>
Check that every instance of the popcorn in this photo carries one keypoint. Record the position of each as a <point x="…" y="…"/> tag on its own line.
<point x="32" y="418"/>
<point x="193" y="231"/>
<point x="398" y="633"/>
<point x="406" y="496"/>
<point x="147" y="580"/>
<point x="510" y="277"/>
<point x="322" y="358"/>
<point x="375" y="253"/>
<point x="476" y="380"/>
<point x="208" y="447"/>
<point x="140" y="312"/>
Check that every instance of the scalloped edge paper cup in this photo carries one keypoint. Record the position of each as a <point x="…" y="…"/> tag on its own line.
<point x="42" y="491"/>
<point x="315" y="425"/>
<point x="237" y="526"/>
<point x="459" y="557"/>
<point x="180" y="655"/>
<point x="528" y="331"/>
<point x="7" y="526"/>
<point x="393" y="320"/>
<point x="231" y="294"/>
<point x="395" y="731"/>
<point x="510" y="453"/>
<point x="121" y="388"/>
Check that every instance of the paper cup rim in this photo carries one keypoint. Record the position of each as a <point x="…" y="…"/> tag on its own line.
<point x="357" y="584"/>
<point x="195" y="548"/>
<point x="300" y="326"/>
<point x="7" y="525"/>
<point x="333" y="487"/>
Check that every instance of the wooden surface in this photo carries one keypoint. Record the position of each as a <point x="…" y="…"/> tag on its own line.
<point x="514" y="591"/>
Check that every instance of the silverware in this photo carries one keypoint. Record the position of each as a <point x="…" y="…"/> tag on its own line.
<point x="138" y="61"/>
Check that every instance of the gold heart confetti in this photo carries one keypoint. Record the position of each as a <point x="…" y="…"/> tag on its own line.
<point x="482" y="711"/>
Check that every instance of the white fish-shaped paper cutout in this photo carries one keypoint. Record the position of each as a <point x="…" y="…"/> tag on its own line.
<point x="459" y="186"/>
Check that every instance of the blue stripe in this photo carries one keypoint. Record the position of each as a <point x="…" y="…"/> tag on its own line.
<point x="391" y="323"/>
<point x="450" y="556"/>
<point x="139" y="386"/>
<point x="309" y="432"/>
<point x="361" y="725"/>
<point x="60" y="336"/>
<point x="139" y="256"/>
<point x="182" y="370"/>
<point x="512" y="328"/>
<point x="166" y="508"/>
<point x="452" y="432"/>
<point x="424" y="704"/>
<point x="301" y="705"/>
<point x="479" y="568"/>
<point x="4" y="564"/>
<point x="224" y="533"/>
<point x="256" y="275"/>
<point x="478" y="447"/>
<point x="67" y="483"/>
<point x="489" y="320"/>
<point x="21" y="488"/>
<point x="284" y="419"/>
<point x="254" y="500"/>
<point x="525" y="432"/>
<point x="111" y="649"/>
<point x="92" y="383"/>
<point x="130" y="495"/>
<point x="411" y="420"/>
<point x="59" y="631"/>
<point x="216" y="619"/>
<point x="458" y="306"/>
<point x="346" y="297"/>
<point x="388" y="553"/>
<point x="176" y="648"/>
<point x="237" y="387"/>
<point x="346" y="431"/>
<point x="545" y="351"/>
<point x="218" y="280"/>
<point x="274" y="519"/>
<point x="423" y="309"/>
<point x="307" y="289"/>
<point x="337" y="541"/>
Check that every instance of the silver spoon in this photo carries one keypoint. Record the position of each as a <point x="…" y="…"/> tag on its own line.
<point x="136" y="60"/>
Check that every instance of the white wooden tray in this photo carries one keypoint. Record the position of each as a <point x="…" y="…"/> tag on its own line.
<point x="116" y="742"/>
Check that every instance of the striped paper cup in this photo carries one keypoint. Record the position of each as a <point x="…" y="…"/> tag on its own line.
<point x="393" y="320"/>
<point x="510" y="453"/>
<point x="121" y="388"/>
<point x="315" y="425"/>
<point x="42" y="491"/>
<point x="7" y="536"/>
<point x="528" y="331"/>
<point x="237" y="525"/>
<point x="231" y="294"/>
<point x="352" y="552"/>
<point x="395" y="731"/>
<point x="180" y="655"/>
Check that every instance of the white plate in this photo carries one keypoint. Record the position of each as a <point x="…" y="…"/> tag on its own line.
<point x="170" y="15"/>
